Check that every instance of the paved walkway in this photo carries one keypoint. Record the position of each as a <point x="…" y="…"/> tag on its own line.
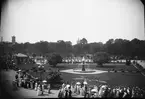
<point x="142" y="63"/>
<point x="139" y="69"/>
<point x="93" y="71"/>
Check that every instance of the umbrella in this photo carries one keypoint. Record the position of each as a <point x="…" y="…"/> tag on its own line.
<point x="44" y="81"/>
<point x="19" y="70"/>
<point x="104" y="86"/>
<point x="78" y="83"/>
<point x="36" y="78"/>
<point x="85" y="82"/>
<point x="94" y="90"/>
<point x="67" y="86"/>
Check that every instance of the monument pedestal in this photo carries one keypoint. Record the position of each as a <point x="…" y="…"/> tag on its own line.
<point x="83" y="67"/>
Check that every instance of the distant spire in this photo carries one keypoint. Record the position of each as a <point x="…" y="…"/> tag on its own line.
<point x="13" y="39"/>
<point x="78" y="41"/>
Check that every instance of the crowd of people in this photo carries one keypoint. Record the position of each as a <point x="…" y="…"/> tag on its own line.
<point x="24" y="80"/>
<point x="102" y="91"/>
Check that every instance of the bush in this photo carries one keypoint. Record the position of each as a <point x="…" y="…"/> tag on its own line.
<point x="54" y="77"/>
<point x="54" y="59"/>
<point x="100" y="58"/>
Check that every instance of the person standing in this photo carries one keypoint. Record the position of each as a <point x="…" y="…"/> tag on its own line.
<point x="69" y="92"/>
<point x="31" y="84"/>
<point x="36" y="86"/>
<point x="48" y="87"/>
<point x="39" y="90"/>
<point x="66" y="93"/>
<point x="28" y="84"/>
<point x="85" y="91"/>
<point x="20" y="82"/>
<point x="89" y="93"/>
<point x="60" y="93"/>
<point x="75" y="88"/>
<point x="42" y="89"/>
<point x="16" y="76"/>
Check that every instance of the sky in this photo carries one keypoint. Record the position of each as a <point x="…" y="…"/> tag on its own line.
<point x="52" y="20"/>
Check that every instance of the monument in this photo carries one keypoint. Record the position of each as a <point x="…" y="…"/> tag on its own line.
<point x="83" y="64"/>
<point x="83" y="68"/>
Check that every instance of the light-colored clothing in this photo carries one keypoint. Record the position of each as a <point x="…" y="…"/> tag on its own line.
<point x="48" y="87"/>
<point x="81" y="92"/>
<point x="42" y="89"/>
<point x="20" y="82"/>
<point x="36" y="86"/>
<point x="39" y="92"/>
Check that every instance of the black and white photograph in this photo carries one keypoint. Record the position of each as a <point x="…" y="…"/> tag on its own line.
<point x="72" y="49"/>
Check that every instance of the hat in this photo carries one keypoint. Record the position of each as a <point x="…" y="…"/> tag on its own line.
<point x="78" y="83"/>
<point x="94" y="90"/>
<point x="19" y="70"/>
<point x="104" y="86"/>
<point x="44" y="81"/>
<point x="85" y="82"/>
<point x="63" y="85"/>
<point x="67" y="86"/>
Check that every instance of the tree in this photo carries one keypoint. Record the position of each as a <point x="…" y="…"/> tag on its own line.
<point x="83" y="41"/>
<point x="54" y="77"/>
<point x="54" y="59"/>
<point x="100" y="58"/>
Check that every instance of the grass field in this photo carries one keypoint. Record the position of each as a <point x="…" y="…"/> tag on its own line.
<point x="112" y="78"/>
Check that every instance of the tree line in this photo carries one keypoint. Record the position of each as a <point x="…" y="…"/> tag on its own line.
<point x="134" y="48"/>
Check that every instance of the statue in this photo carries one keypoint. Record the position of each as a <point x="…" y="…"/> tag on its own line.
<point x="83" y="66"/>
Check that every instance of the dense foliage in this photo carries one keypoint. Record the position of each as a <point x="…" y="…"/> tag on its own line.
<point x="100" y="58"/>
<point x="54" y="78"/>
<point x="54" y="59"/>
<point x="117" y="47"/>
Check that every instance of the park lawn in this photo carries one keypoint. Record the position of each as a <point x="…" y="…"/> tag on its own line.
<point x="62" y="66"/>
<point x="106" y="67"/>
<point x="113" y="79"/>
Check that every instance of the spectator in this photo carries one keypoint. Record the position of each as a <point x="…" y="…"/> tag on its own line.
<point x="49" y="88"/>
<point x="36" y="86"/>
<point x="60" y="93"/>
<point x="69" y="92"/>
<point x="39" y="92"/>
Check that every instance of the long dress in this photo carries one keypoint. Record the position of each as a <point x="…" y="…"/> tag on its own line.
<point x="59" y="94"/>
<point x="66" y="93"/>
<point x="36" y="86"/>
<point x="20" y="82"/>
<point x="75" y="88"/>
<point x="31" y="84"/>
<point x="69" y="94"/>
<point x="39" y="91"/>
<point x="72" y="89"/>
<point x="78" y="89"/>
<point x="81" y="91"/>
<point x="42" y="88"/>
<point x="48" y="87"/>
